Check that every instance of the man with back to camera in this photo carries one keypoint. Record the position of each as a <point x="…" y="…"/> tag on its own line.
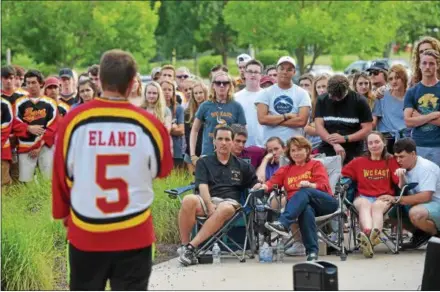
<point x="103" y="188"/>
<point x="284" y="108"/>
<point x="422" y="108"/>
<point x="343" y="120"/>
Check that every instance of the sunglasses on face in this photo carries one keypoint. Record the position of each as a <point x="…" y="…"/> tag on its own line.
<point x="182" y="76"/>
<point x="374" y="72"/>
<point x="422" y="51"/>
<point x="221" y="83"/>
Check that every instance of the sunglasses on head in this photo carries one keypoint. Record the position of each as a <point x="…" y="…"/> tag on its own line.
<point x="182" y="76"/>
<point x="220" y="83"/>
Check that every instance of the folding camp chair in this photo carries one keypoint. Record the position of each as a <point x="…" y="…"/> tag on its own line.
<point x="222" y="236"/>
<point x="392" y="242"/>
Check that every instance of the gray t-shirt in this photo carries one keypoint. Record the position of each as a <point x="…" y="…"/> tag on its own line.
<point x="283" y="101"/>
<point x="212" y="114"/>
<point x="179" y="144"/>
<point x="390" y="111"/>
<point x="427" y="174"/>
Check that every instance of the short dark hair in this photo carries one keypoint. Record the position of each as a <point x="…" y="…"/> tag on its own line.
<point x="239" y="130"/>
<point x="275" y="138"/>
<point x="338" y="85"/>
<point x="270" y="67"/>
<point x="19" y="71"/>
<point x="405" y="144"/>
<point x="116" y="70"/>
<point x="94" y="70"/>
<point x="8" y="71"/>
<point x="34" y="73"/>
<point x="223" y="128"/>
<point x="254" y="62"/>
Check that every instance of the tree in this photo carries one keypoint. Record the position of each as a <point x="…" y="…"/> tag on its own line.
<point x="78" y="32"/>
<point x="322" y="27"/>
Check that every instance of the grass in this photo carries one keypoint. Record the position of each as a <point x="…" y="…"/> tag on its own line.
<point x="34" y="246"/>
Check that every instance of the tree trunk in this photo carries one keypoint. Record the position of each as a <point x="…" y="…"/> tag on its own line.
<point x="299" y="53"/>
<point x="387" y="50"/>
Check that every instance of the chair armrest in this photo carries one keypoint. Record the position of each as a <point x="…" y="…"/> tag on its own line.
<point x="405" y="190"/>
<point x="176" y="192"/>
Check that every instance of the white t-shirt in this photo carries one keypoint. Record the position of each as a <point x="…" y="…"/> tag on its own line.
<point x="255" y="130"/>
<point x="427" y="174"/>
<point x="283" y="101"/>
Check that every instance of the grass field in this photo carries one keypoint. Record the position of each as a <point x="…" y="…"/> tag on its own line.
<point x="34" y="245"/>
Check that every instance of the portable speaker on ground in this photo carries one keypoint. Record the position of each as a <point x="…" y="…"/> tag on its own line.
<point x="313" y="276"/>
<point x="431" y="273"/>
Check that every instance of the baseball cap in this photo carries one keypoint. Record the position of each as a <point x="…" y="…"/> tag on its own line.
<point x="266" y="78"/>
<point x="243" y="58"/>
<point x="155" y="71"/>
<point x="379" y="65"/>
<point x="51" y="81"/>
<point x="66" y="72"/>
<point x="286" y="59"/>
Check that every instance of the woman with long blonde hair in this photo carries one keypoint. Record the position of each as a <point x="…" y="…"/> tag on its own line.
<point x="154" y="103"/>
<point x="426" y="43"/>
<point x="220" y="109"/>
<point x="198" y="95"/>
<point x="362" y="85"/>
<point x="177" y="123"/>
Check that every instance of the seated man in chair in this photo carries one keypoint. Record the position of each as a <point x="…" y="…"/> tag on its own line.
<point x="423" y="207"/>
<point x="221" y="178"/>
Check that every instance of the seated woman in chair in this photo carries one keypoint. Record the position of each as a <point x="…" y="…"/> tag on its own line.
<point x="374" y="174"/>
<point x="308" y="194"/>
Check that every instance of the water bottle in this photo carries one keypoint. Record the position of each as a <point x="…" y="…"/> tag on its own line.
<point x="280" y="251"/>
<point x="216" y="252"/>
<point x="266" y="253"/>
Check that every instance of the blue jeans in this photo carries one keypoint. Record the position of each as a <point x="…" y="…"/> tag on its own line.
<point x="304" y="206"/>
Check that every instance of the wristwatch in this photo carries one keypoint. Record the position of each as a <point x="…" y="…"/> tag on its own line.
<point x="346" y="138"/>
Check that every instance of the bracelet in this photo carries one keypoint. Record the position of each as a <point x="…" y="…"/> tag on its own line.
<point x="285" y="118"/>
<point x="346" y="138"/>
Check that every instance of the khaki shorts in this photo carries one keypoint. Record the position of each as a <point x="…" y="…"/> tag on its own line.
<point x="216" y="201"/>
<point x="6" y="177"/>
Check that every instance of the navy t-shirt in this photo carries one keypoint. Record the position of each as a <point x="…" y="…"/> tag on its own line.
<point x="425" y="100"/>
<point x="178" y="141"/>
<point x="213" y="114"/>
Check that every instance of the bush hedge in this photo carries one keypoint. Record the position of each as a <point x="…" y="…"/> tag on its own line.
<point x="34" y="245"/>
<point x="270" y="57"/>
<point x="206" y="63"/>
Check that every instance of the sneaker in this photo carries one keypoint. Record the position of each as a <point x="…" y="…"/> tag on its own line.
<point x="297" y="249"/>
<point x="188" y="256"/>
<point x="180" y="250"/>
<point x="277" y="227"/>
<point x="313" y="256"/>
<point x="365" y="245"/>
<point x="375" y="237"/>
<point x="418" y="239"/>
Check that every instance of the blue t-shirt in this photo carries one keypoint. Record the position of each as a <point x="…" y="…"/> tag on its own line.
<point x="271" y="169"/>
<point x="178" y="141"/>
<point x="390" y="111"/>
<point x="425" y="100"/>
<point x="212" y="114"/>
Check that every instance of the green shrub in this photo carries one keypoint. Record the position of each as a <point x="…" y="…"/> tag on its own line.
<point x="270" y="57"/>
<point x="29" y="63"/>
<point x="206" y="63"/>
<point x="34" y="245"/>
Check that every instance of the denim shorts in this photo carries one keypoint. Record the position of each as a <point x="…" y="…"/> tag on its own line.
<point x="430" y="153"/>
<point x="370" y="199"/>
<point x="433" y="208"/>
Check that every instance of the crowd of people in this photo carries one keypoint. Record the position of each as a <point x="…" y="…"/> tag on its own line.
<point x="384" y="124"/>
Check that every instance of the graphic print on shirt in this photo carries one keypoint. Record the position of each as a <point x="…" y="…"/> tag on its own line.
<point x="296" y="179"/>
<point x="428" y="103"/>
<point x="31" y="114"/>
<point x="283" y="104"/>
<point x="376" y="174"/>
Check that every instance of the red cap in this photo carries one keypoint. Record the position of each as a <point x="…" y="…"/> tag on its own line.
<point x="51" y="81"/>
<point x="266" y="78"/>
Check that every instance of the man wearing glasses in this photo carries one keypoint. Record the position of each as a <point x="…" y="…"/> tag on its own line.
<point x="247" y="97"/>
<point x="284" y="108"/>
<point x="378" y="72"/>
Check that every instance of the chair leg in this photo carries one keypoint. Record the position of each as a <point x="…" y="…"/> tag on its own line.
<point x="399" y="229"/>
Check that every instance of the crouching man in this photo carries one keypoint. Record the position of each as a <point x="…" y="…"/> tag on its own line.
<point x="221" y="178"/>
<point x="422" y="208"/>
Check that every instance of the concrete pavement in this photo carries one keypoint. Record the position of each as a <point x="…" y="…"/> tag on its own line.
<point x="383" y="272"/>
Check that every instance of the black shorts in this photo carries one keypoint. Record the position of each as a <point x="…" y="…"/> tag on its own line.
<point x="126" y="270"/>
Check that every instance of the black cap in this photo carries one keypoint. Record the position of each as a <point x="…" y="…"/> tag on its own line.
<point x="66" y="72"/>
<point x="379" y="65"/>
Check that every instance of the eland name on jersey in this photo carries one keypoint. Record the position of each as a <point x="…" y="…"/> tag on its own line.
<point x="114" y="138"/>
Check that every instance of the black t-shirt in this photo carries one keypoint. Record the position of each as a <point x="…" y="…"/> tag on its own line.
<point x="70" y="99"/>
<point x="12" y="98"/>
<point x="345" y="118"/>
<point x="225" y="181"/>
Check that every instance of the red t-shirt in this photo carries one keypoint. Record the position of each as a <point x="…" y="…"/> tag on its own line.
<point x="374" y="177"/>
<point x="289" y="177"/>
